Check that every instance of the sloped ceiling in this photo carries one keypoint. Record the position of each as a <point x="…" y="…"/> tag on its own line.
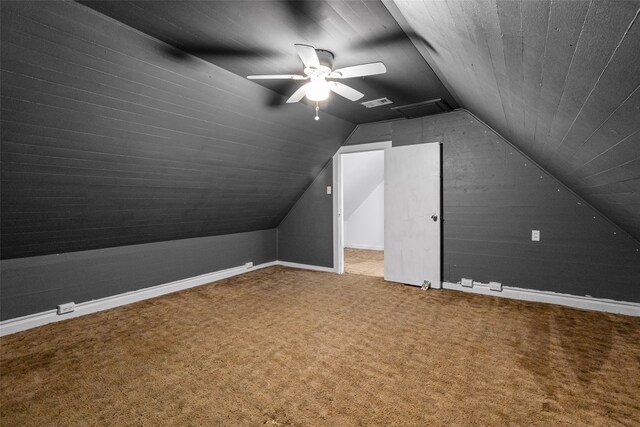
<point x="108" y="141"/>
<point x="257" y="37"/>
<point x="559" y="79"/>
<point x="114" y="133"/>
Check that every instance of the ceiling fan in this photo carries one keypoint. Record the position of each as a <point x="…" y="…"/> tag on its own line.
<point x="318" y="65"/>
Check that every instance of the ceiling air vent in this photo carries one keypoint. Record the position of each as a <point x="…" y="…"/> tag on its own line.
<point x="426" y="108"/>
<point x="376" y="102"/>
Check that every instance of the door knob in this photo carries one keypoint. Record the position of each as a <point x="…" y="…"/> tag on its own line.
<point x="434" y="217"/>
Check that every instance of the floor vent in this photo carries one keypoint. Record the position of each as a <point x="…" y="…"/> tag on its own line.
<point x="426" y="108"/>
<point x="376" y="102"/>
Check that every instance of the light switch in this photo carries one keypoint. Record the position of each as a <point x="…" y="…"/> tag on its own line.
<point x="328" y="189"/>
<point x="535" y="235"/>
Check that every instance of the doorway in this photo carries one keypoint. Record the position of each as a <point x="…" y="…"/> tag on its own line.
<point x="363" y="212"/>
<point x="359" y="209"/>
<point x="410" y="192"/>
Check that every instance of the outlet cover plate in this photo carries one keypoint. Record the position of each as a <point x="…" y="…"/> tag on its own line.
<point x="66" y="308"/>
<point x="495" y="286"/>
<point x="535" y="235"/>
<point x="467" y="283"/>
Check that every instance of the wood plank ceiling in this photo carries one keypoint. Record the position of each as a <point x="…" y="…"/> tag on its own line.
<point x="257" y="37"/>
<point x="559" y="79"/>
<point x="112" y="137"/>
<point x="107" y="141"/>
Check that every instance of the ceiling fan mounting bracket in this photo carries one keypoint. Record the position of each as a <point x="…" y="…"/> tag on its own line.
<point x="325" y="58"/>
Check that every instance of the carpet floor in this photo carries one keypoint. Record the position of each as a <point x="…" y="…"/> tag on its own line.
<point x="364" y="261"/>
<point x="281" y="346"/>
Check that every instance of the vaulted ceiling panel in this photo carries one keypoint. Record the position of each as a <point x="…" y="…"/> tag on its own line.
<point x="592" y="54"/>
<point x="258" y="37"/>
<point x="108" y="141"/>
<point x="560" y="79"/>
<point x="131" y="121"/>
<point x="535" y="16"/>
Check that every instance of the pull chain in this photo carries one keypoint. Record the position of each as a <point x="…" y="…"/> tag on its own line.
<point x="317" y="109"/>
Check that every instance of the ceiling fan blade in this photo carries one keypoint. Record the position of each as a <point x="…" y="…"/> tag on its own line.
<point x="277" y="76"/>
<point x="346" y="91"/>
<point x="359" y="71"/>
<point x="297" y="95"/>
<point x="308" y="55"/>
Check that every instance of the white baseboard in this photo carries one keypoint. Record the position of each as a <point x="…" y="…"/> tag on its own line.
<point x="18" y="324"/>
<point x="306" y="266"/>
<point x="587" y="303"/>
<point x="368" y="247"/>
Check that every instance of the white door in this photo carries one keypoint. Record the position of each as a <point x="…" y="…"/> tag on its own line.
<point x="412" y="214"/>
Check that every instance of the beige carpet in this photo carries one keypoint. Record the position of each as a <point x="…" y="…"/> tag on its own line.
<point x="364" y="261"/>
<point x="282" y="347"/>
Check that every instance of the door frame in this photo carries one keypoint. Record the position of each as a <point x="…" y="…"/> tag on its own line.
<point x="338" y="223"/>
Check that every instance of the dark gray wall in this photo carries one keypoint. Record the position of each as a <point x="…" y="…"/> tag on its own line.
<point x="493" y="197"/>
<point x="108" y="139"/>
<point x="372" y="132"/>
<point x="35" y="284"/>
<point x="306" y="234"/>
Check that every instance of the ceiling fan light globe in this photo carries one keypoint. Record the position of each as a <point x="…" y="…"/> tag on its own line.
<point x="317" y="91"/>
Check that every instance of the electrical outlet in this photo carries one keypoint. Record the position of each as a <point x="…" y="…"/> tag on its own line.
<point x="66" y="308"/>
<point x="535" y="235"/>
<point x="467" y="283"/>
<point x="495" y="286"/>
<point x="248" y="264"/>
<point x="328" y="189"/>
